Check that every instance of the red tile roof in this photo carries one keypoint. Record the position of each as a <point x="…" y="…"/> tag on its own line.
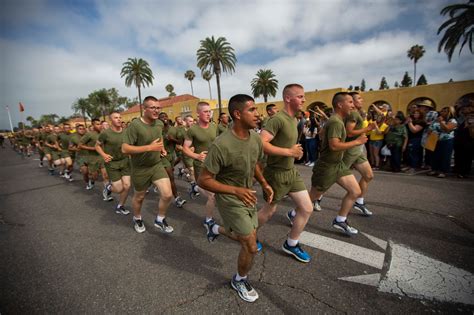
<point x="164" y="102"/>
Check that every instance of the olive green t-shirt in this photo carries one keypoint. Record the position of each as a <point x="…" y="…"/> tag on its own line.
<point x="90" y="139"/>
<point x="233" y="162"/>
<point x="221" y="129"/>
<point x="180" y="134"/>
<point x="63" y="139"/>
<point x="356" y="118"/>
<point x="111" y="142"/>
<point x="201" y="139"/>
<point x="396" y="135"/>
<point x="170" y="146"/>
<point x="334" y="128"/>
<point x="140" y="134"/>
<point x="285" y="134"/>
<point x="51" y="139"/>
<point x="75" y="141"/>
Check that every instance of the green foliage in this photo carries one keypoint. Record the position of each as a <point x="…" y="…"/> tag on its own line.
<point x="217" y="56"/>
<point x="137" y="72"/>
<point x="459" y="26"/>
<point x="383" y="84"/>
<point x="406" y="81"/>
<point x="190" y="75"/>
<point x="362" y="85"/>
<point x="264" y="84"/>
<point x="415" y="53"/>
<point x="422" y="80"/>
<point x="207" y="75"/>
<point x="170" y="89"/>
<point x="350" y="88"/>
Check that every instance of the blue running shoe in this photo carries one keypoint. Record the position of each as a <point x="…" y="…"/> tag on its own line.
<point x="211" y="236"/>
<point x="290" y="217"/>
<point x="259" y="246"/>
<point x="193" y="192"/>
<point x="296" y="252"/>
<point x="208" y="224"/>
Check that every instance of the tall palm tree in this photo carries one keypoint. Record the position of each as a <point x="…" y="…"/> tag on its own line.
<point x="460" y="24"/>
<point x="264" y="84"/>
<point x="216" y="56"/>
<point x="207" y="75"/>
<point x="190" y="75"/>
<point x="415" y="53"/>
<point x="137" y="72"/>
<point x="170" y="89"/>
<point x="81" y="105"/>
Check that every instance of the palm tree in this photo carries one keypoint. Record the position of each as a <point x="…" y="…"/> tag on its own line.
<point x="81" y="106"/>
<point x="137" y="72"/>
<point x="460" y="24"/>
<point x="190" y="75"/>
<point x="170" y="89"/>
<point x="207" y="75"/>
<point x="415" y="53"/>
<point x="264" y="84"/>
<point x="30" y="119"/>
<point x="216" y="56"/>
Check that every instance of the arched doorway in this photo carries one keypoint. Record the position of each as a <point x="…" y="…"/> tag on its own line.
<point x="424" y="103"/>
<point x="464" y="101"/>
<point x="381" y="103"/>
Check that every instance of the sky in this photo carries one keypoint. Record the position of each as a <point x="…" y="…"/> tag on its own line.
<point x="53" y="52"/>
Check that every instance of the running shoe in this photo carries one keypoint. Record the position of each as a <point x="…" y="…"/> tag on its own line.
<point x="51" y="171"/>
<point x="317" y="205"/>
<point x="244" y="289"/>
<point x="311" y="164"/>
<point x="207" y="224"/>
<point x="211" y="236"/>
<point x="296" y="252"/>
<point x="179" y="202"/>
<point x="345" y="227"/>
<point x="290" y="217"/>
<point x="193" y="192"/>
<point x="259" y="246"/>
<point x="107" y="192"/>
<point x="163" y="226"/>
<point x="139" y="225"/>
<point x="363" y="209"/>
<point x="180" y="172"/>
<point x="121" y="210"/>
<point x="41" y="164"/>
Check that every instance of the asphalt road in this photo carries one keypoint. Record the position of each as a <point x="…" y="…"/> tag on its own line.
<point x="64" y="250"/>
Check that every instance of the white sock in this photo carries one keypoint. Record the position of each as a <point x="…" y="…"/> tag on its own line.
<point x="239" y="277"/>
<point x="340" y="218"/>
<point x="215" y="229"/>
<point x="208" y="219"/>
<point x="360" y="200"/>
<point x="293" y="213"/>
<point x="291" y="242"/>
<point x="320" y="198"/>
<point x="137" y="218"/>
<point x="159" y="218"/>
<point x="119" y="205"/>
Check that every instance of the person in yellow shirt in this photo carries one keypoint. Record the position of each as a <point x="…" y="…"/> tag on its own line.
<point x="376" y="137"/>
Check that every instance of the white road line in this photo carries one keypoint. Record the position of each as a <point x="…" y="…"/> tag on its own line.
<point x="357" y="253"/>
<point x="372" y="279"/>
<point x="380" y="243"/>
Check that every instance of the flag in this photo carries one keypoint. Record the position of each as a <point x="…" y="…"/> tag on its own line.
<point x="22" y="108"/>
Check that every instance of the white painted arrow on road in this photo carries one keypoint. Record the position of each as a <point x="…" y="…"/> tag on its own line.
<point x="409" y="273"/>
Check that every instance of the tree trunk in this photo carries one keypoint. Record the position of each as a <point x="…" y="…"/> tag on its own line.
<point x="192" y="91"/>
<point x="265" y="97"/>
<point x="84" y="117"/>
<point x="414" y="73"/>
<point x="218" y="81"/>
<point x="140" y="100"/>
<point x="210" y="95"/>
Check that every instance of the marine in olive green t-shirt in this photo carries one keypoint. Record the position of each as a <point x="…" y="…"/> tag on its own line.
<point x="111" y="142"/>
<point x="140" y="134"/>
<point x="354" y="155"/>
<point x="89" y="140"/>
<point x="201" y="139"/>
<point x="221" y="129"/>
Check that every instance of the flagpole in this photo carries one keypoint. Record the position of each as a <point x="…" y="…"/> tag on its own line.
<point x="10" y="118"/>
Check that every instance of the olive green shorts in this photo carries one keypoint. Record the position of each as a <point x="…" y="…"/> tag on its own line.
<point x="72" y="154"/>
<point x="64" y="154"/>
<point x="188" y="161"/>
<point x="117" y="169"/>
<point x="81" y="160"/>
<point x="240" y="220"/>
<point x="326" y="174"/>
<point x="143" y="177"/>
<point x="354" y="156"/>
<point x="283" y="182"/>
<point x="168" y="160"/>
<point x="55" y="155"/>
<point x="46" y="150"/>
<point x="95" y="163"/>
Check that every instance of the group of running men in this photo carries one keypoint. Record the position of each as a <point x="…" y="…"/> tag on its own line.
<point x="222" y="163"/>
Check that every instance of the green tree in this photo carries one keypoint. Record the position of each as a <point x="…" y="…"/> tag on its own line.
<point x="350" y="88"/>
<point x="216" y="56"/>
<point x="100" y="103"/>
<point x="190" y="75"/>
<point x="422" y="80"/>
<point x="406" y="81"/>
<point x="207" y="75"/>
<point x="383" y="84"/>
<point x="362" y="85"/>
<point x="396" y="84"/>
<point x="170" y="89"/>
<point x="137" y="72"/>
<point x="63" y="119"/>
<point x="415" y="53"/>
<point x="81" y="105"/>
<point x="264" y="84"/>
<point x="31" y="120"/>
<point x="460" y="25"/>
